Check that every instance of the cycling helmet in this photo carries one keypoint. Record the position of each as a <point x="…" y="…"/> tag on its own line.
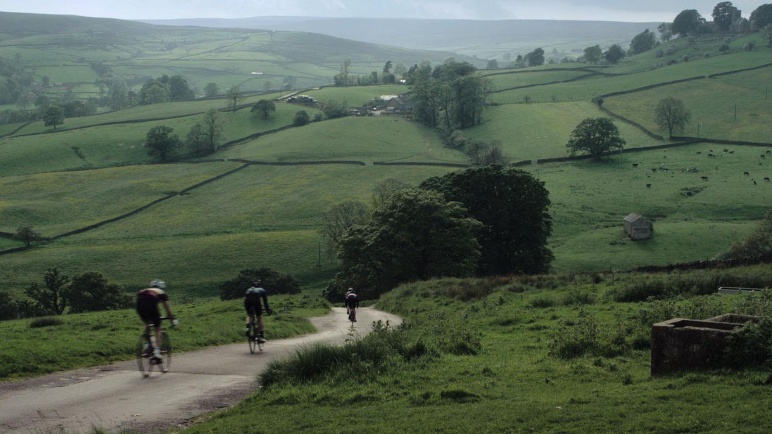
<point x="258" y="282"/>
<point x="157" y="283"/>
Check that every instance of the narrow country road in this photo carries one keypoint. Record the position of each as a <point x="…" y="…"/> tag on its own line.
<point x="116" y="397"/>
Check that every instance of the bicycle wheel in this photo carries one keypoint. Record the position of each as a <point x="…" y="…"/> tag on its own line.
<point x="143" y="356"/>
<point x="166" y="352"/>
<point x="252" y="339"/>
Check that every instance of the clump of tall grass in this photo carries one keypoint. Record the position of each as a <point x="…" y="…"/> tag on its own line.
<point x="588" y="337"/>
<point x="47" y="321"/>
<point x="385" y="346"/>
<point x="750" y="345"/>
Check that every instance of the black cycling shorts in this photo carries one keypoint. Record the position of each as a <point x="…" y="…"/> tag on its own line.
<point x="253" y="308"/>
<point x="147" y="309"/>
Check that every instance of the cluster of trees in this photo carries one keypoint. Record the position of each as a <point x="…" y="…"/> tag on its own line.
<point x="484" y="221"/>
<point x="86" y="292"/>
<point x="757" y="244"/>
<point x="388" y="75"/>
<point x="451" y="96"/>
<point x="726" y="18"/>
<point x="599" y="136"/>
<point x="480" y="153"/>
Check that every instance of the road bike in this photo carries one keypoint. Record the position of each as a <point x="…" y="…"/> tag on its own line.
<point x="252" y="337"/>
<point x="145" y="359"/>
<point x="352" y="315"/>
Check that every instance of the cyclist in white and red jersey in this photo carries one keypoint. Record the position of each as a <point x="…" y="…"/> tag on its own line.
<point x="147" y="308"/>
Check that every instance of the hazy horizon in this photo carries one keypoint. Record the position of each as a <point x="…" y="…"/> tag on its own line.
<point x="582" y="10"/>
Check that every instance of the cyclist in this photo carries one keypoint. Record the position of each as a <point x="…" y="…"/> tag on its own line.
<point x="147" y="308"/>
<point x="352" y="303"/>
<point x="252" y="303"/>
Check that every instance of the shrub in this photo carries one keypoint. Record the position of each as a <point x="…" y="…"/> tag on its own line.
<point x="273" y="282"/>
<point x="47" y="321"/>
<point x="750" y="345"/>
<point x="8" y="307"/>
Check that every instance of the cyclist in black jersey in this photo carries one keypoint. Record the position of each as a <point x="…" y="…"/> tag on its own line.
<point x="255" y="300"/>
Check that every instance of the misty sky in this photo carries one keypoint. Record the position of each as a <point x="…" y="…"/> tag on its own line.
<point x="604" y="10"/>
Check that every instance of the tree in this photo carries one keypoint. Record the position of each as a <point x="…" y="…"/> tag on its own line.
<point x="687" y="22"/>
<point x="197" y="140"/>
<point x="614" y="54"/>
<point x="52" y="298"/>
<point x="595" y="136"/>
<point x="301" y="118"/>
<point x="160" y="141"/>
<point x="118" y="94"/>
<point x="264" y="108"/>
<point x="761" y="17"/>
<point x="535" y="57"/>
<point x="385" y="190"/>
<point x="723" y="15"/>
<point x="671" y="115"/>
<point x="211" y="90"/>
<point x="179" y="90"/>
<point x="27" y="235"/>
<point x="273" y="282"/>
<point x="416" y="235"/>
<point x="234" y="96"/>
<point x="767" y="35"/>
<point x="512" y="206"/>
<point x="642" y="42"/>
<point x="337" y="219"/>
<point x="665" y="31"/>
<point x="213" y="127"/>
<point x="492" y="64"/>
<point x="90" y="292"/>
<point x="8" y="307"/>
<point x="593" y="54"/>
<point x="53" y="116"/>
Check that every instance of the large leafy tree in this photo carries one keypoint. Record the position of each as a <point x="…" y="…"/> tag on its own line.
<point x="27" y="235"/>
<point x="535" y="57"/>
<point x="53" y="116"/>
<point x="264" y="108"/>
<point x="53" y="298"/>
<point x="161" y="141"/>
<point x="234" y="96"/>
<point x="339" y="218"/>
<point x="415" y="235"/>
<point x="614" y="54"/>
<point x="595" y="136"/>
<point x="687" y="22"/>
<point x="643" y="41"/>
<point x="671" y="115"/>
<point x="513" y="209"/>
<point x="761" y="16"/>
<point x="723" y="14"/>
<point x="91" y="291"/>
<point x="179" y="90"/>
<point x="213" y="127"/>
<point x="593" y="54"/>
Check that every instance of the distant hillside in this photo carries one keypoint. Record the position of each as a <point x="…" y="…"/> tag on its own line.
<point x="485" y="39"/>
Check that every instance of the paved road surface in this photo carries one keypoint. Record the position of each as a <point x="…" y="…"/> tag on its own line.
<point x="117" y="397"/>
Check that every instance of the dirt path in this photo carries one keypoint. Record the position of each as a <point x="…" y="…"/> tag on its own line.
<point x="116" y="397"/>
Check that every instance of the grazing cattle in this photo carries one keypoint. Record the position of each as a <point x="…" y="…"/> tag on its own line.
<point x="754" y="182"/>
<point x="704" y="178"/>
<point x="635" y="164"/>
<point x="769" y="152"/>
<point x="699" y="152"/>
<point x="654" y="169"/>
<point x="746" y="174"/>
<point x="766" y="178"/>
<point x="711" y="156"/>
<point x="648" y="185"/>
<point x="763" y="156"/>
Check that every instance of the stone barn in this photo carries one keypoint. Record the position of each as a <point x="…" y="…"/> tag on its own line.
<point x="638" y="227"/>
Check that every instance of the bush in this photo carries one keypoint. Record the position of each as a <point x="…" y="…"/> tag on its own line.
<point x="47" y="321"/>
<point x="8" y="307"/>
<point x="750" y="345"/>
<point x="90" y="292"/>
<point x="273" y="282"/>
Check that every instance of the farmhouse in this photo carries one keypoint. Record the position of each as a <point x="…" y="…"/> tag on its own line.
<point x="638" y="227"/>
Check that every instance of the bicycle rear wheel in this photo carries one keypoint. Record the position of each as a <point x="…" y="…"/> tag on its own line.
<point x="166" y="352"/>
<point x="252" y="340"/>
<point x="144" y="350"/>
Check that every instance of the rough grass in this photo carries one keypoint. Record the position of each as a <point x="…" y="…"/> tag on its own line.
<point x="34" y="347"/>
<point x="572" y="366"/>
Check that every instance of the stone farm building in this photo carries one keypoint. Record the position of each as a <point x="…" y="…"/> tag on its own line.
<point x="638" y="227"/>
